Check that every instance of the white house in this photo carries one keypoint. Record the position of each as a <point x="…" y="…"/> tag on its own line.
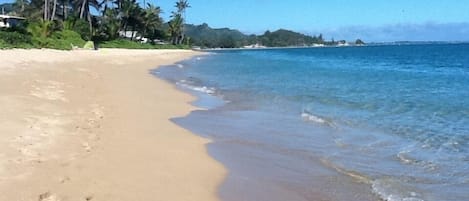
<point x="10" y="21"/>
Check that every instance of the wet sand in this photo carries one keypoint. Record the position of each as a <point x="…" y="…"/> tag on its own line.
<point x="94" y="125"/>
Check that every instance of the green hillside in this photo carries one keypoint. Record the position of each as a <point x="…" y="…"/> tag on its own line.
<point x="284" y="38"/>
<point x="207" y="37"/>
<point x="204" y="36"/>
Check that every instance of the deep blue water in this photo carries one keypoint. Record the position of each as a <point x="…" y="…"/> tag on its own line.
<point x="372" y="122"/>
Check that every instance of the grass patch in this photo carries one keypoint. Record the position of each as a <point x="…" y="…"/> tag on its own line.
<point x="127" y="44"/>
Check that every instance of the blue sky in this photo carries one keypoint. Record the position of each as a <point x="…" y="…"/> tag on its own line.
<point x="371" y="20"/>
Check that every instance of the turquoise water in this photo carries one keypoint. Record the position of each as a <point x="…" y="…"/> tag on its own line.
<point x="373" y="122"/>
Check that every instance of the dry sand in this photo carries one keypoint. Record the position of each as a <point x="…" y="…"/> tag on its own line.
<point x="94" y="125"/>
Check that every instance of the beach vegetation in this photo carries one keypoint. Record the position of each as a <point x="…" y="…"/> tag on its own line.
<point x="123" y="43"/>
<point x="12" y="39"/>
<point x="120" y="23"/>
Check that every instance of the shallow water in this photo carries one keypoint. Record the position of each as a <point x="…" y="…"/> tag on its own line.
<point x="354" y="123"/>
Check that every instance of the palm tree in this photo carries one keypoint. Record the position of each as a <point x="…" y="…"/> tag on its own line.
<point x="111" y="24"/>
<point x="175" y="28"/>
<point x="127" y="12"/>
<point x="84" y="10"/>
<point x="181" y="6"/>
<point x="151" y="18"/>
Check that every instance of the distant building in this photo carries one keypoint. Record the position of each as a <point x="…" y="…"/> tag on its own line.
<point x="135" y="35"/>
<point x="7" y="21"/>
<point x="317" y="45"/>
<point x="257" y="45"/>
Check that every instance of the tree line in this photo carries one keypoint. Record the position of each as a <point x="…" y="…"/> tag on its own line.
<point x="103" y="20"/>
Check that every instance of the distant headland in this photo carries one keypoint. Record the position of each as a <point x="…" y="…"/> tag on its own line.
<point x="204" y="36"/>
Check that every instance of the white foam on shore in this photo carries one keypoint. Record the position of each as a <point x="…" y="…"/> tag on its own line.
<point x="306" y="116"/>
<point x="392" y="190"/>
<point x="405" y="158"/>
<point x="310" y="117"/>
<point x="203" y="89"/>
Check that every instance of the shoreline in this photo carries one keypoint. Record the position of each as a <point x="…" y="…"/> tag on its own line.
<point x="256" y="165"/>
<point x="95" y="125"/>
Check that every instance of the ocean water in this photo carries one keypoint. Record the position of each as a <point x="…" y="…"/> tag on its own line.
<point x="350" y="123"/>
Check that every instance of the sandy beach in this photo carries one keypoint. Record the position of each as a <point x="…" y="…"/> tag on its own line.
<point x="94" y="125"/>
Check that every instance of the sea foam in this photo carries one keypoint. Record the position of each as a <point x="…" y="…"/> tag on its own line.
<point x="203" y="89"/>
<point x="310" y="117"/>
<point x="306" y="116"/>
<point x="392" y="190"/>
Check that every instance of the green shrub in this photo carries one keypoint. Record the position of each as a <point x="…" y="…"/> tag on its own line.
<point x="78" y="25"/>
<point x="62" y="40"/>
<point x="40" y="28"/>
<point x="15" y="38"/>
<point x="70" y="37"/>
<point x="3" y="45"/>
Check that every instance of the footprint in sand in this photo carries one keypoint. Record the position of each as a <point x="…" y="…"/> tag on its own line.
<point x="90" y="73"/>
<point x="86" y="146"/>
<point x="49" y="90"/>
<point x="48" y="197"/>
<point x="37" y="136"/>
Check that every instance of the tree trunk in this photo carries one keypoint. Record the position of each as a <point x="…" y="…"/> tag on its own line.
<point x="125" y="29"/>
<point x="182" y="28"/>
<point x="144" y="32"/>
<point x="91" y="24"/>
<point x="54" y="10"/>
<point x="65" y="8"/>
<point x="104" y="11"/>
<point x="82" y="10"/>
<point x="46" y="8"/>
<point x="22" y="7"/>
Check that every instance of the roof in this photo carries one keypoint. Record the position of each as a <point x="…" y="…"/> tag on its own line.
<point x="11" y="17"/>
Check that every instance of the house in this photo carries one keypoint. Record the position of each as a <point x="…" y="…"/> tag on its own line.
<point x="7" y="21"/>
